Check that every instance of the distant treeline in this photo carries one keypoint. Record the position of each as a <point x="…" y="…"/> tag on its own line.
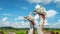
<point x="26" y="28"/>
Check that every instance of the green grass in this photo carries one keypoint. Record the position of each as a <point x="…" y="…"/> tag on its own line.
<point x="23" y="31"/>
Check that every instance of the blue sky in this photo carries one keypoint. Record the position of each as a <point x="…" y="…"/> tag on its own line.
<point x="11" y="11"/>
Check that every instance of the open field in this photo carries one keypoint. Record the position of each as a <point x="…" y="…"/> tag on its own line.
<point x="23" y="31"/>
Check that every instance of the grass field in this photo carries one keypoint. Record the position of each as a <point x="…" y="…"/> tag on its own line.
<point x="23" y="31"/>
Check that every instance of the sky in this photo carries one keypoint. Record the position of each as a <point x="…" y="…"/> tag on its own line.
<point x="12" y="12"/>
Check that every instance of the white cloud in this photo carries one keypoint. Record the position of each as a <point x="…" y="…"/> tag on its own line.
<point x="4" y="24"/>
<point x="56" y="1"/>
<point x="46" y="22"/>
<point x="20" y="24"/>
<point x="6" y="14"/>
<point x="34" y="1"/>
<point x="15" y="24"/>
<point x="59" y="20"/>
<point x="37" y="6"/>
<point x="24" y="7"/>
<point x="0" y="8"/>
<point x="25" y="24"/>
<point x="51" y="13"/>
<point x="4" y="19"/>
<point x="45" y="2"/>
<point x="55" y="25"/>
<point x="19" y="18"/>
<point x="52" y="26"/>
<point x="40" y="1"/>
